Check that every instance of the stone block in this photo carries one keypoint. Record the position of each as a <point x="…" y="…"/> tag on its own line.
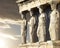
<point x="43" y="45"/>
<point x="22" y="46"/>
<point x="32" y="45"/>
<point x="53" y="44"/>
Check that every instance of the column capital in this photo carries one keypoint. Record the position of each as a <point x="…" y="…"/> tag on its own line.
<point x="53" y="5"/>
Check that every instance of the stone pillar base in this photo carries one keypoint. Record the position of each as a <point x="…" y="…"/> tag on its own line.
<point x="48" y="44"/>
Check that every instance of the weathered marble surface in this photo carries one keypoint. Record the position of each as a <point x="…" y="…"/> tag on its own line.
<point x="53" y="28"/>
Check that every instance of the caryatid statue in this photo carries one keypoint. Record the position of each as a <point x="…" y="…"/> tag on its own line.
<point x="31" y="24"/>
<point x="54" y="27"/>
<point x="41" y="31"/>
<point x="23" y="30"/>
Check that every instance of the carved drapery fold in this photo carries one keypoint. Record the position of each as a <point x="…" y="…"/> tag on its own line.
<point x="54" y="27"/>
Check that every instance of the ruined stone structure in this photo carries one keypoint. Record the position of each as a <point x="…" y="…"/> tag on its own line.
<point x="43" y="18"/>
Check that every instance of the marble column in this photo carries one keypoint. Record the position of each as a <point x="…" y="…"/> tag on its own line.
<point x="54" y="23"/>
<point x="41" y="31"/>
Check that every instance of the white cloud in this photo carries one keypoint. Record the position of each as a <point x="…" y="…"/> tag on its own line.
<point x="4" y="23"/>
<point x="8" y="36"/>
<point x="10" y="21"/>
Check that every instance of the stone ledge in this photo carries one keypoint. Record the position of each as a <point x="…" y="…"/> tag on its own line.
<point x="48" y="44"/>
<point x="33" y="45"/>
<point x="33" y="4"/>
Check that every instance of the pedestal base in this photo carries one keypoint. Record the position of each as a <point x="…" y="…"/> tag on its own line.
<point x="48" y="44"/>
